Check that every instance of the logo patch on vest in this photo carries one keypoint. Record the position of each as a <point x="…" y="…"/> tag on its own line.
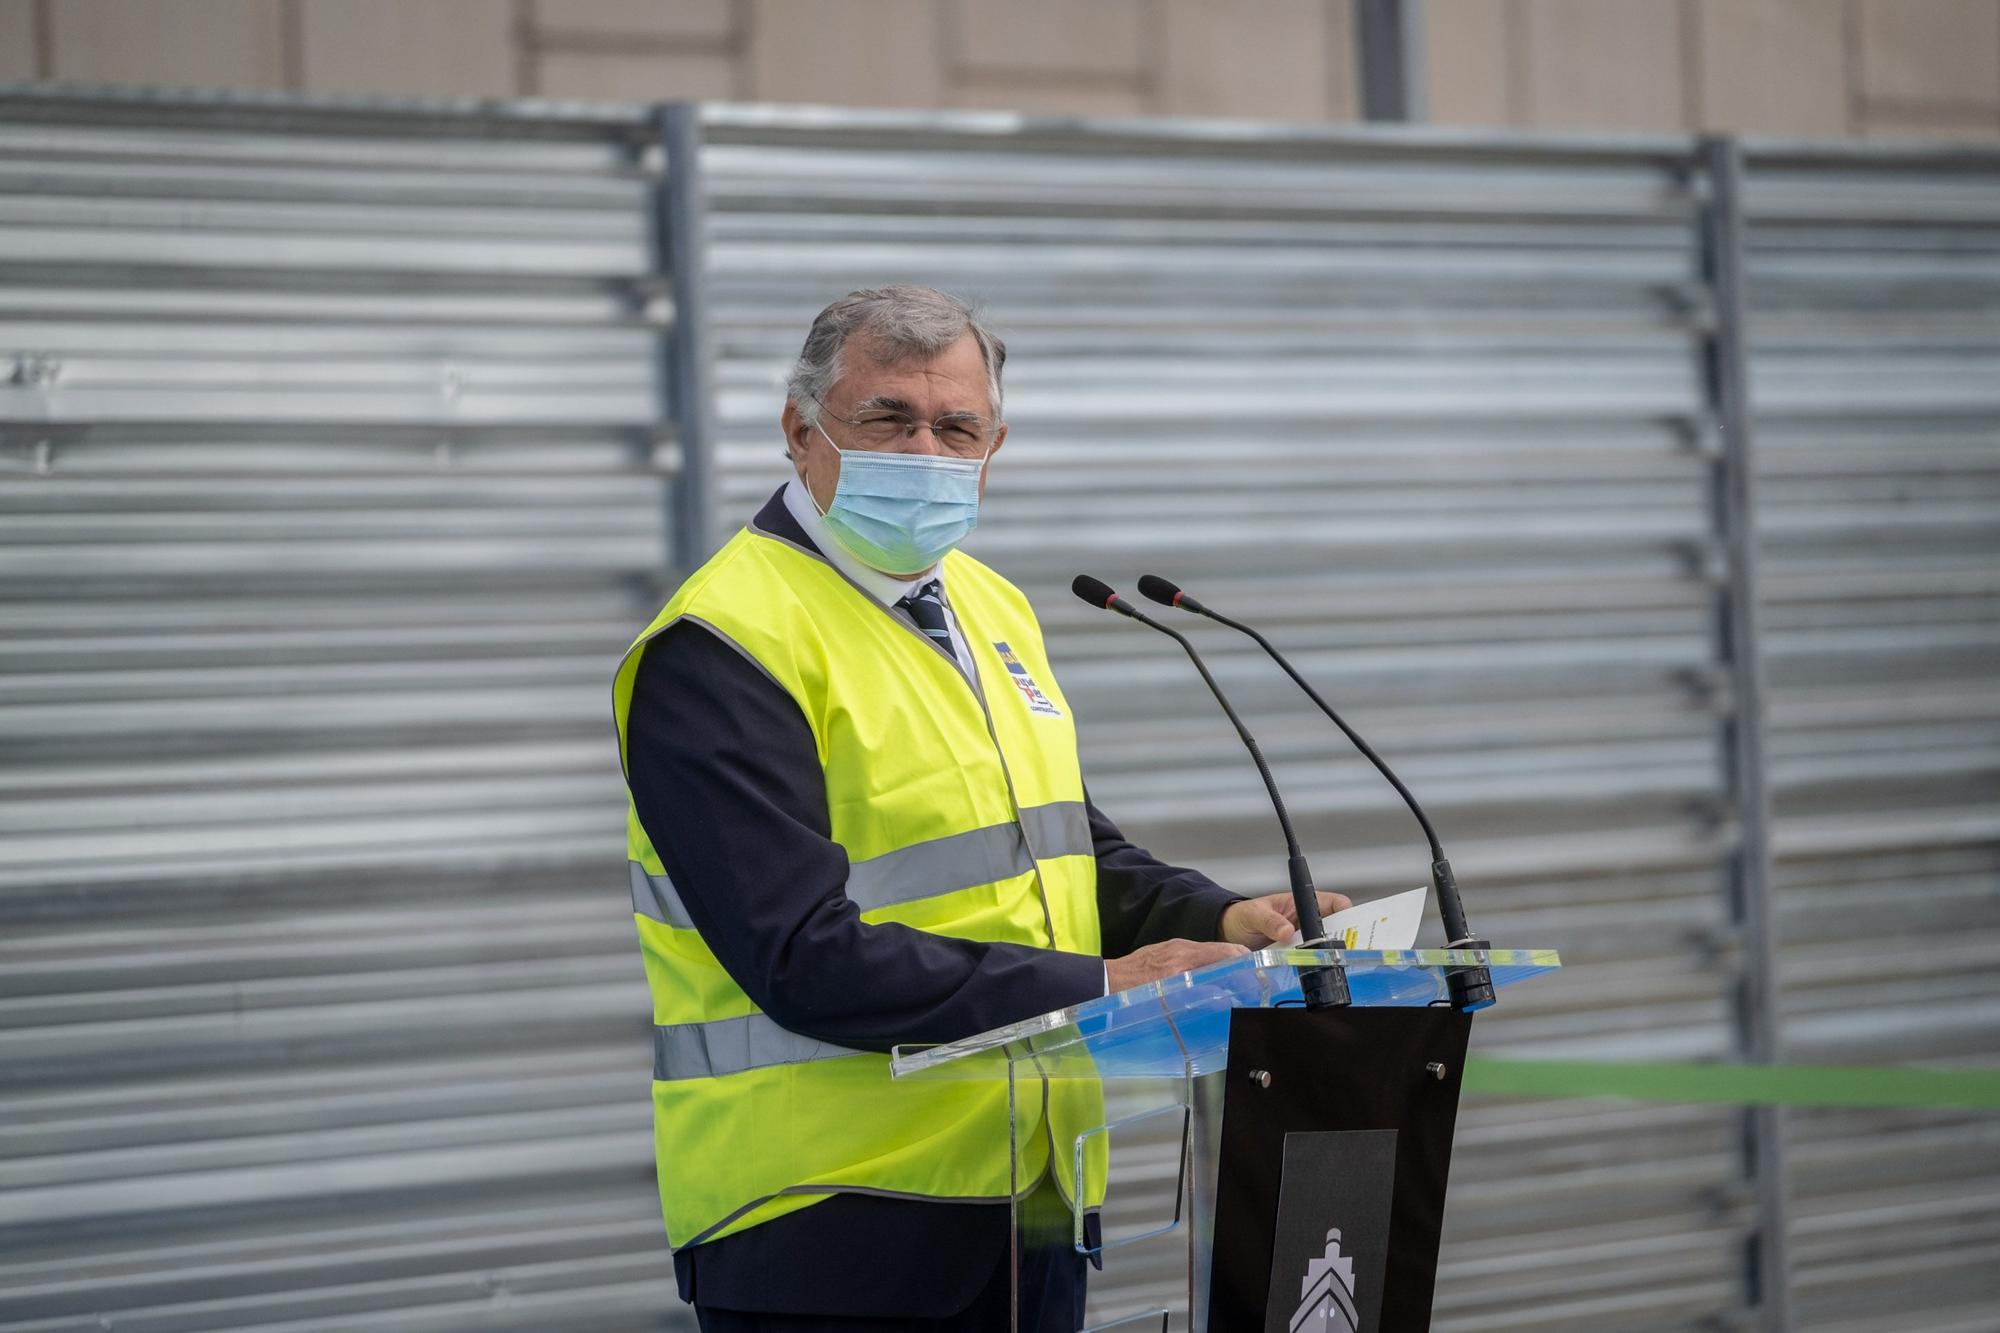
<point x="1025" y="683"/>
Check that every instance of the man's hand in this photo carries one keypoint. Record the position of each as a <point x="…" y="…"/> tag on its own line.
<point x="1165" y="959"/>
<point x="1257" y="923"/>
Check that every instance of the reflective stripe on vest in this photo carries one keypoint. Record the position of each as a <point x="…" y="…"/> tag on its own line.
<point x="725" y="1046"/>
<point x="924" y="870"/>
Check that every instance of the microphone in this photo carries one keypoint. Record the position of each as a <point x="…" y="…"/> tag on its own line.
<point x="1324" y="987"/>
<point x="1471" y="987"/>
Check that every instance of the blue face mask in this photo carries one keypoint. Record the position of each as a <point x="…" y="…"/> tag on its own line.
<point x="902" y="513"/>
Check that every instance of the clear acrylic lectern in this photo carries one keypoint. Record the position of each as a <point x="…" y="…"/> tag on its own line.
<point x="1192" y="1183"/>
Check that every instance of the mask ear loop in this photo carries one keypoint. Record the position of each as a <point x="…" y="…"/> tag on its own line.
<point x="838" y="450"/>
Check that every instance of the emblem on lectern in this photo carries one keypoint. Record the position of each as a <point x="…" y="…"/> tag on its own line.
<point x="1326" y="1303"/>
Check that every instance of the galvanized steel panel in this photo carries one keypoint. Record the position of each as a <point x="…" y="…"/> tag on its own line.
<point x="332" y="478"/>
<point x="1876" y="336"/>
<point x="1424" y="412"/>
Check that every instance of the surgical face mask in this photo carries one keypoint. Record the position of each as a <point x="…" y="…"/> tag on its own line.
<point x="902" y="513"/>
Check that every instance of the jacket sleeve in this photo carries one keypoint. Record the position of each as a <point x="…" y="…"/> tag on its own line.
<point x="1142" y="900"/>
<point x="725" y="776"/>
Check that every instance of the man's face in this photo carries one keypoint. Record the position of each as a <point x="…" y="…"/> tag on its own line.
<point x="953" y="382"/>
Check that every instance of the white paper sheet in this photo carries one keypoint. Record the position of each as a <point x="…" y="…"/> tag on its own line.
<point x="1386" y="923"/>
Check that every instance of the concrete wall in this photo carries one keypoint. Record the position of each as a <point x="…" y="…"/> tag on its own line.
<point x="1924" y="68"/>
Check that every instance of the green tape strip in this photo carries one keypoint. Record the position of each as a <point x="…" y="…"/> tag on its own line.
<point x="1743" y="1085"/>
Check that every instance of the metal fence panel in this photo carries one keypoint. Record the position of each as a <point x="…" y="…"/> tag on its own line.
<point x="333" y="477"/>
<point x="1428" y="411"/>
<point x="330" y="483"/>
<point x="1876" y="328"/>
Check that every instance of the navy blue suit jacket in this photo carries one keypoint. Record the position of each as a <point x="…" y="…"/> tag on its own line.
<point x="726" y="780"/>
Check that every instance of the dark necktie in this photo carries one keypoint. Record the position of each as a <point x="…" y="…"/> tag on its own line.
<point x="926" y="607"/>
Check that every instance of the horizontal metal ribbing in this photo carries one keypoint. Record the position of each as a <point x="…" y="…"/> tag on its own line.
<point x="1432" y="413"/>
<point x="922" y="870"/>
<point x="725" y="1046"/>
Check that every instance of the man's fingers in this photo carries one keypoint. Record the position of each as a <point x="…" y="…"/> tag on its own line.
<point x="1204" y="953"/>
<point x="1329" y="903"/>
<point x="1165" y="959"/>
<point x="1275" y="925"/>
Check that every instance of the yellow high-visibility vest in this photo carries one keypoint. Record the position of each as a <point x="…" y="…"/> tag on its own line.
<point x="960" y="806"/>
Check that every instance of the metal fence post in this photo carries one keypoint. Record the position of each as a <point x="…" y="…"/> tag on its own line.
<point x="679" y="220"/>
<point x="1389" y="49"/>
<point x="1767" y="1270"/>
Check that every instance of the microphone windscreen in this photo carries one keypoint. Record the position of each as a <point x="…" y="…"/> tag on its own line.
<point x="1158" y="589"/>
<point x="1095" y="591"/>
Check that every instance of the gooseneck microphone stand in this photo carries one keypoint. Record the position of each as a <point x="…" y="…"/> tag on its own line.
<point x="1324" y="987"/>
<point x="1471" y="986"/>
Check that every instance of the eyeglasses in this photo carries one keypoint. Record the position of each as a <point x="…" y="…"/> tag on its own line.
<point x="961" y="434"/>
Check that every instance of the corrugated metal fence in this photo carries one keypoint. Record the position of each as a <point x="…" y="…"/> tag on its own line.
<point x="1876" y="319"/>
<point x="343" y="447"/>
<point x="334" y="480"/>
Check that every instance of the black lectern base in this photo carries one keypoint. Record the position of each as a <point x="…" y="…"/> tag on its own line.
<point x="1336" y="1144"/>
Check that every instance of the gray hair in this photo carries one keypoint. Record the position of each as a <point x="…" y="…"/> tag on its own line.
<point x="901" y="323"/>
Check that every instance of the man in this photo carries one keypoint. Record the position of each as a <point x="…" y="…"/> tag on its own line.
<point x="857" y="821"/>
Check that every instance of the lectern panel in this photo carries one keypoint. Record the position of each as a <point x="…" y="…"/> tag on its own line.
<point x="1336" y="1143"/>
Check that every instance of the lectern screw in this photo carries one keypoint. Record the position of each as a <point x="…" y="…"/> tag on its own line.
<point x="1435" y="1070"/>
<point x="1261" y="1077"/>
